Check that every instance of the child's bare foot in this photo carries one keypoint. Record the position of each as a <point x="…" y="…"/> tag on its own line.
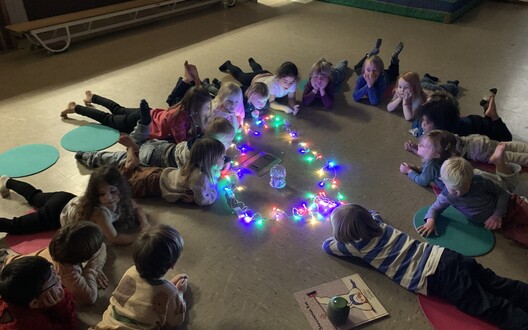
<point x="132" y="160"/>
<point x="498" y="158"/>
<point x="69" y="109"/>
<point x="187" y="75"/>
<point x="491" y="112"/>
<point x="195" y="75"/>
<point x="88" y="99"/>
<point x="127" y="141"/>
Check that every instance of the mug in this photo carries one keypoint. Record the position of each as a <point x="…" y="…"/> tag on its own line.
<point x="338" y="310"/>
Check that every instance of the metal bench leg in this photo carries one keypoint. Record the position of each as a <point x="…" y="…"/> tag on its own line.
<point x="45" y="46"/>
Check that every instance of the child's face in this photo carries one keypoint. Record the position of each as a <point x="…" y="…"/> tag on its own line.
<point x="319" y="80"/>
<point x="258" y="101"/>
<point x="231" y="103"/>
<point x="286" y="82"/>
<point x="52" y="292"/>
<point x="426" y="149"/>
<point x="371" y="70"/>
<point x="427" y="125"/>
<point x="218" y="165"/>
<point x="109" y="196"/>
<point x="458" y="192"/>
<point x="404" y="88"/>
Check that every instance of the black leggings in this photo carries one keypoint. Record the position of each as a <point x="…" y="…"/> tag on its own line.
<point x="478" y="291"/>
<point x="245" y="78"/>
<point x="121" y="118"/>
<point x="49" y="207"/>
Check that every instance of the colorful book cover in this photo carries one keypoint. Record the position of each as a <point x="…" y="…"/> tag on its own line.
<point x="364" y="306"/>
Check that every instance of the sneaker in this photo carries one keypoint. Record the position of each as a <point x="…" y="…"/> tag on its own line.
<point x="414" y="131"/>
<point x="4" y="191"/>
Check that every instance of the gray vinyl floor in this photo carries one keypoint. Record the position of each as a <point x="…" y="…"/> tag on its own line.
<point x="244" y="277"/>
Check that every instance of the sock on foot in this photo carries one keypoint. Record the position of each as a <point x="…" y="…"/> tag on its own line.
<point x="4" y="191"/>
<point x="375" y="50"/>
<point x="144" y="113"/>
<point x="397" y="50"/>
<point x="485" y="100"/>
<point x="79" y="155"/>
<point x="433" y="78"/>
<point x="454" y="82"/>
<point x="251" y="60"/>
<point x="216" y="83"/>
<point x="223" y="67"/>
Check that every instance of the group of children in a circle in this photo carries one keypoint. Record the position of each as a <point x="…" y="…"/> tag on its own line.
<point x="187" y="168"/>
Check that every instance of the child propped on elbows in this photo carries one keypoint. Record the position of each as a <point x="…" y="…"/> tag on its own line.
<point x="195" y="182"/>
<point x="373" y="79"/>
<point x="32" y="297"/>
<point x="322" y="82"/>
<point x="281" y="84"/>
<point x="482" y="200"/>
<point x="408" y="94"/>
<point x="72" y="246"/>
<point x="434" y="148"/>
<point x="107" y="202"/>
<point x="428" y="269"/>
<point x="143" y="297"/>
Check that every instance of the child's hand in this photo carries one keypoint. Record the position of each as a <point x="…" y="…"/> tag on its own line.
<point x="405" y="168"/>
<point x="180" y="281"/>
<point x="188" y="197"/>
<point x="295" y="109"/>
<point x="255" y="113"/>
<point x="428" y="228"/>
<point x="410" y="146"/>
<point x="52" y="296"/>
<point x="102" y="280"/>
<point x="493" y="222"/>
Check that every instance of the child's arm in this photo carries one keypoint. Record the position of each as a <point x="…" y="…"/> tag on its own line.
<point x="422" y="178"/>
<point x="409" y="107"/>
<point x="204" y="191"/>
<point x="109" y="231"/>
<point x="177" y="307"/>
<point x="140" y="216"/>
<point x="327" y="95"/>
<point x="82" y="282"/>
<point x="374" y="92"/>
<point x="394" y="103"/>
<point x="339" y="249"/>
<point x="501" y="209"/>
<point x="434" y="211"/>
<point x="309" y="93"/>
<point x="61" y="316"/>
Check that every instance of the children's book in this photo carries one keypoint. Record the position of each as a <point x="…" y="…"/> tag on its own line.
<point x="364" y="306"/>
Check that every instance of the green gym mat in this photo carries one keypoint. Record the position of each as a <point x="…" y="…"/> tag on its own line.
<point x="27" y="160"/>
<point x="91" y="137"/>
<point x="457" y="233"/>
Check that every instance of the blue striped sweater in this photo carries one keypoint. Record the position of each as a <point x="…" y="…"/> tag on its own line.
<point x="405" y="260"/>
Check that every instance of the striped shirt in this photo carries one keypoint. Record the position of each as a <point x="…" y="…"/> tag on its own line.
<point x="405" y="260"/>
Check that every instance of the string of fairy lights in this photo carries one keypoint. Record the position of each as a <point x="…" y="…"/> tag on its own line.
<point x="316" y="205"/>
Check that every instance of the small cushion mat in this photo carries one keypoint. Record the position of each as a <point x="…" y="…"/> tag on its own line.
<point x="457" y="233"/>
<point x="444" y="316"/>
<point x="90" y="137"/>
<point x="25" y="244"/>
<point x="27" y="160"/>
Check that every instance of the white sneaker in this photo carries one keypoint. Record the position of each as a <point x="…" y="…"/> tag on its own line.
<point x="4" y="192"/>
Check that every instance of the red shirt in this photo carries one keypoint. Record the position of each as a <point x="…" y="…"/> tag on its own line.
<point x="59" y="317"/>
<point x="171" y="124"/>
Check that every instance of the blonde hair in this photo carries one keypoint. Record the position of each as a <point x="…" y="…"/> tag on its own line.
<point x="257" y="88"/>
<point x="352" y="222"/>
<point x="377" y="61"/>
<point x="456" y="173"/>
<point x="443" y="143"/>
<point x="321" y="67"/>
<point x="220" y="128"/>
<point x="413" y="79"/>
<point x="226" y="90"/>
